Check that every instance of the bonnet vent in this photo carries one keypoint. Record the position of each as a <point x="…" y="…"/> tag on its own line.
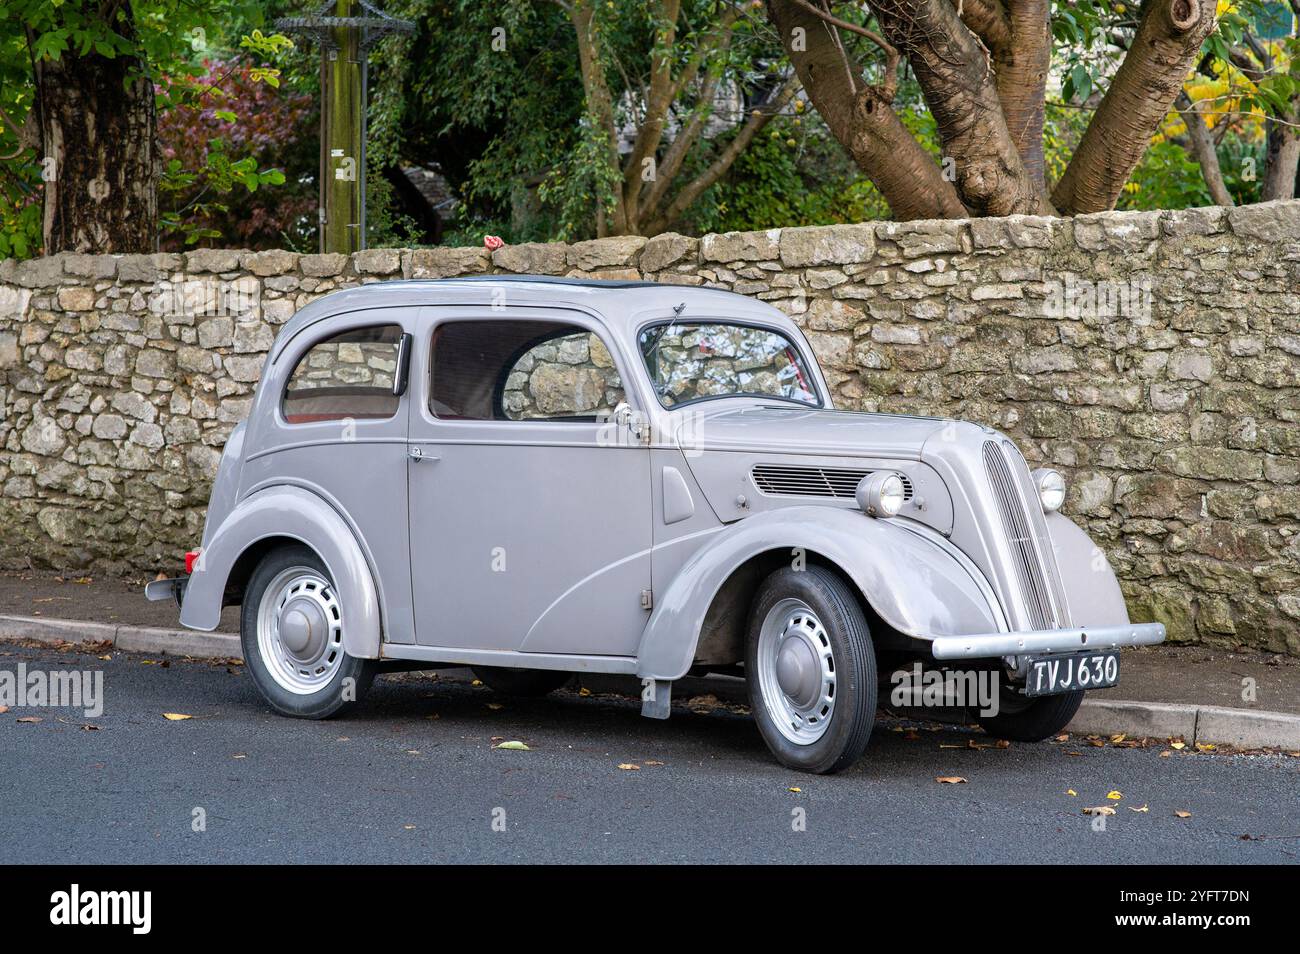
<point x="785" y="480"/>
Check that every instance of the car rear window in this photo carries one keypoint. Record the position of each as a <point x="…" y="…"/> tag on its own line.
<point x="346" y="376"/>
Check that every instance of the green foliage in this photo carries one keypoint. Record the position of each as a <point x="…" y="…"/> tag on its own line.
<point x="1166" y="178"/>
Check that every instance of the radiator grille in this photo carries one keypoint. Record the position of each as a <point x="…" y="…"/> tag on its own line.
<point x="1016" y="522"/>
<point x="786" y="480"/>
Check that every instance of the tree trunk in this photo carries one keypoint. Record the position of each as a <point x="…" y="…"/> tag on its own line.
<point x="1201" y="146"/>
<point x="99" y="146"/>
<point x="1167" y="41"/>
<point x="960" y="88"/>
<point x="1022" y="65"/>
<point x="1282" y="161"/>
<point x="862" y="118"/>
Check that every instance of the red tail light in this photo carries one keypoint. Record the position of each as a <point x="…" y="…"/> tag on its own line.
<point x="190" y="559"/>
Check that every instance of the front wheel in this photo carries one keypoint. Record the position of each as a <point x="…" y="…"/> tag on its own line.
<point x="1031" y="720"/>
<point x="291" y="629"/>
<point x="811" y="670"/>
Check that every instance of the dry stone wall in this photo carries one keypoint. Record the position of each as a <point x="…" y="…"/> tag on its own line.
<point x="1152" y="357"/>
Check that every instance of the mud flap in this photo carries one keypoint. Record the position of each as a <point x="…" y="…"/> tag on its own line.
<point x="656" y="698"/>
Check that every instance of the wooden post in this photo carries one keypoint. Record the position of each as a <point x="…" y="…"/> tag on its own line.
<point x="343" y="150"/>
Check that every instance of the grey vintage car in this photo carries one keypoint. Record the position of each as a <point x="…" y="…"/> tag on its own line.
<point x="539" y="476"/>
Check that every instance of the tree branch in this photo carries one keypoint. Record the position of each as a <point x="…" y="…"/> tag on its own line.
<point x="1022" y="62"/>
<point x="658" y="101"/>
<point x="862" y="119"/>
<point x="1169" y="35"/>
<point x="753" y="125"/>
<point x="987" y="19"/>
<point x="1201" y="146"/>
<point x="600" y="104"/>
<point x="957" y="78"/>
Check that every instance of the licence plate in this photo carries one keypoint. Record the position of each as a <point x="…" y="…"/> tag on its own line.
<point x="1051" y="675"/>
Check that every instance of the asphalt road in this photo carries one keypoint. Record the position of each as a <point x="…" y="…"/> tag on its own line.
<point x="415" y="778"/>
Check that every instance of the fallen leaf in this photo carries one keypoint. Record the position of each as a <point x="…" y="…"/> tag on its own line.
<point x="342" y="738"/>
<point x="1204" y="747"/>
<point x="950" y="780"/>
<point x="1165" y="754"/>
<point x="1003" y="744"/>
<point x="629" y="767"/>
<point x="476" y="682"/>
<point x="584" y="692"/>
<point x="29" y="719"/>
<point x="1142" y="809"/>
<point x="1118" y="738"/>
<point x="412" y="751"/>
<point x="943" y="746"/>
<point x="1182" y="814"/>
<point x="972" y="744"/>
<point x="90" y="727"/>
<point x="1099" y="810"/>
<point x="107" y="657"/>
<point x="515" y="745"/>
<point x="176" y="716"/>
<point x="794" y="789"/>
<point x="1072" y="793"/>
<point x="494" y="706"/>
<point x="1063" y="737"/>
<point x="653" y="762"/>
<point x="1114" y="796"/>
<point x="1178" y="745"/>
<point x="409" y="827"/>
<point x="239" y="755"/>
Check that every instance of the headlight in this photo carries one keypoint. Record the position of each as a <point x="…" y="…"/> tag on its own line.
<point x="881" y="494"/>
<point x="1051" y="488"/>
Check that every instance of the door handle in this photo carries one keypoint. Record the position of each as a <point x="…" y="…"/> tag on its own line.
<point x="416" y="453"/>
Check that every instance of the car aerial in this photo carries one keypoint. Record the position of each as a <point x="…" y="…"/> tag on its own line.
<point x="537" y="477"/>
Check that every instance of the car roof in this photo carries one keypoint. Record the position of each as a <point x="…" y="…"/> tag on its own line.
<point x="623" y="304"/>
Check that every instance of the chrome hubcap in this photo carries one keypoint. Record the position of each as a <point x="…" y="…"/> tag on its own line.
<point x="796" y="671"/>
<point x="300" y="630"/>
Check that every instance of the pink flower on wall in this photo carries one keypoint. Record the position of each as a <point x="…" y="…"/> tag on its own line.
<point x="492" y="242"/>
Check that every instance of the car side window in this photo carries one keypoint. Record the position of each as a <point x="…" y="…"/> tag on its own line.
<point x="522" y="371"/>
<point x="346" y="376"/>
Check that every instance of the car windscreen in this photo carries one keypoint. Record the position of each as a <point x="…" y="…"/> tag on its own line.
<point x="696" y="360"/>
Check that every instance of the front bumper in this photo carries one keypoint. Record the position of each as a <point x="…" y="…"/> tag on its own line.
<point x="1074" y="639"/>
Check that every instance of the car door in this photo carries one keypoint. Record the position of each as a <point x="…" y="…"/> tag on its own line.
<point x="530" y="522"/>
<point x="337" y="426"/>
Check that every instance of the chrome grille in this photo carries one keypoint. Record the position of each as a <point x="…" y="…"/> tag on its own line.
<point x="791" y="480"/>
<point x="1020" y="538"/>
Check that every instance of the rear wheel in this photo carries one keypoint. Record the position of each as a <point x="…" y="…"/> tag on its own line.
<point x="1031" y="720"/>
<point x="811" y="670"/>
<point x="521" y="682"/>
<point x="291" y="629"/>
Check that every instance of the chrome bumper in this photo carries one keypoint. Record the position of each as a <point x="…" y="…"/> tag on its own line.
<point x="1072" y="640"/>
